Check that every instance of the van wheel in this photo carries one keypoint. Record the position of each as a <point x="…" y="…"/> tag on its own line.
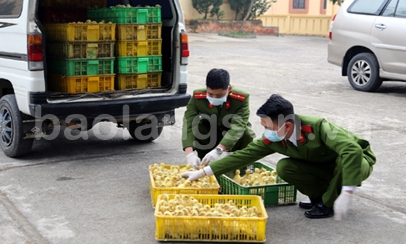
<point x="363" y="72"/>
<point x="11" y="129"/>
<point x="145" y="135"/>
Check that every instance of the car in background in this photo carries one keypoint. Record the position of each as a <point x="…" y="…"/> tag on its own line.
<point x="368" y="41"/>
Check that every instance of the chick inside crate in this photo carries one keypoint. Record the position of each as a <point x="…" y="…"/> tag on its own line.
<point x="276" y="192"/>
<point x="166" y="179"/>
<point x="210" y="218"/>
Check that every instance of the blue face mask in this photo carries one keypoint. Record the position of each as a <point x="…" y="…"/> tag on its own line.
<point x="217" y="101"/>
<point x="272" y="135"/>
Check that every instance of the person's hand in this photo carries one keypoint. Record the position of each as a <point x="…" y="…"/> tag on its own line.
<point x="342" y="204"/>
<point x="193" y="159"/>
<point x="211" y="157"/>
<point x="193" y="175"/>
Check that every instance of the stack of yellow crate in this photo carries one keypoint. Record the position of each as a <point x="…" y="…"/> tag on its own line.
<point x="80" y="57"/>
<point x="138" y="48"/>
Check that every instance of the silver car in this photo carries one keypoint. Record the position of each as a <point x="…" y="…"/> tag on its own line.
<point x="368" y="41"/>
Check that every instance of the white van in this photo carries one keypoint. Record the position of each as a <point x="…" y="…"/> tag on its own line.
<point x="29" y="110"/>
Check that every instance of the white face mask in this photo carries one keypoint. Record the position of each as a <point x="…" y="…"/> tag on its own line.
<point x="272" y="135"/>
<point x="217" y="101"/>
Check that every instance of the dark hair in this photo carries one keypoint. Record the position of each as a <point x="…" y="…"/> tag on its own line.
<point x="218" y="79"/>
<point x="276" y="108"/>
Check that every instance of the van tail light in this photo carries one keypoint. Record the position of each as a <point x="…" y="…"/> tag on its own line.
<point x="184" y="49"/>
<point x="330" y="34"/>
<point x="35" y="52"/>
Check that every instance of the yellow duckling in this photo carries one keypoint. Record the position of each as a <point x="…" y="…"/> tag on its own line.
<point x="247" y="183"/>
<point x="187" y="183"/>
<point x="254" y="175"/>
<point x="237" y="177"/>
<point x="247" y="175"/>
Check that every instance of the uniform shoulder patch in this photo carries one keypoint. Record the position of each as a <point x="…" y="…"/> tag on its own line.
<point x="307" y="128"/>
<point x="237" y="96"/>
<point x="200" y="95"/>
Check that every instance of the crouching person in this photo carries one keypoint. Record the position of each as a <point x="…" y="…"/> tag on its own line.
<point x="325" y="162"/>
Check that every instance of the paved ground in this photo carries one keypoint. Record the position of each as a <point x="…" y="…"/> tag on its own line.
<point x="96" y="191"/>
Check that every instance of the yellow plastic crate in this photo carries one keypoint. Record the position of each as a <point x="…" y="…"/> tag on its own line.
<point x="154" y="79"/>
<point x="155" y="47"/>
<point x="80" y="32"/>
<point x="214" y="229"/>
<point x="156" y="191"/>
<point x="154" y="31"/>
<point x="68" y="50"/>
<point x="81" y="84"/>
<point x="132" y="48"/>
<point x="135" y="32"/>
<point x="131" y="81"/>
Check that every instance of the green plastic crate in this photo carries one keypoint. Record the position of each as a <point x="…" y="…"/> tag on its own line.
<point x="77" y="67"/>
<point x="155" y="63"/>
<point x="154" y="15"/>
<point x="280" y="193"/>
<point x="127" y="65"/>
<point x="134" y="15"/>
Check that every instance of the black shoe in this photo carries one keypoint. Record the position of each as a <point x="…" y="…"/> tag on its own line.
<point x="305" y="204"/>
<point x="319" y="211"/>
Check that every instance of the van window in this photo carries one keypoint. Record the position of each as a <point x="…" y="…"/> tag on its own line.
<point x="367" y="7"/>
<point x="401" y="10"/>
<point x="10" y="8"/>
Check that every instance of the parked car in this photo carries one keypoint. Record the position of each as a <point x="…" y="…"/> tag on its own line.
<point x="368" y="41"/>
<point x="34" y="105"/>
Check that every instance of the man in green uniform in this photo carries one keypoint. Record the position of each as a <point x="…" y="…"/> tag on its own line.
<point x="216" y="120"/>
<point x="325" y="162"/>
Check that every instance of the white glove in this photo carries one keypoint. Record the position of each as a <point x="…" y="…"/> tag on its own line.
<point x="195" y="175"/>
<point x="211" y="157"/>
<point x="342" y="204"/>
<point x="193" y="159"/>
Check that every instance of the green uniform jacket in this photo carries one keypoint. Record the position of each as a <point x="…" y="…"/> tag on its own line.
<point x="232" y="117"/>
<point x="318" y="142"/>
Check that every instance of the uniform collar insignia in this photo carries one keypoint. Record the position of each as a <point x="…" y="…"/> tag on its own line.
<point x="306" y="129"/>
<point x="302" y="138"/>
<point x="228" y="105"/>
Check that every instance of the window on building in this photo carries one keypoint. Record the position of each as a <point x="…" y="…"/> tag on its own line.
<point x="299" y="4"/>
<point x="323" y="6"/>
<point x="11" y="8"/>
